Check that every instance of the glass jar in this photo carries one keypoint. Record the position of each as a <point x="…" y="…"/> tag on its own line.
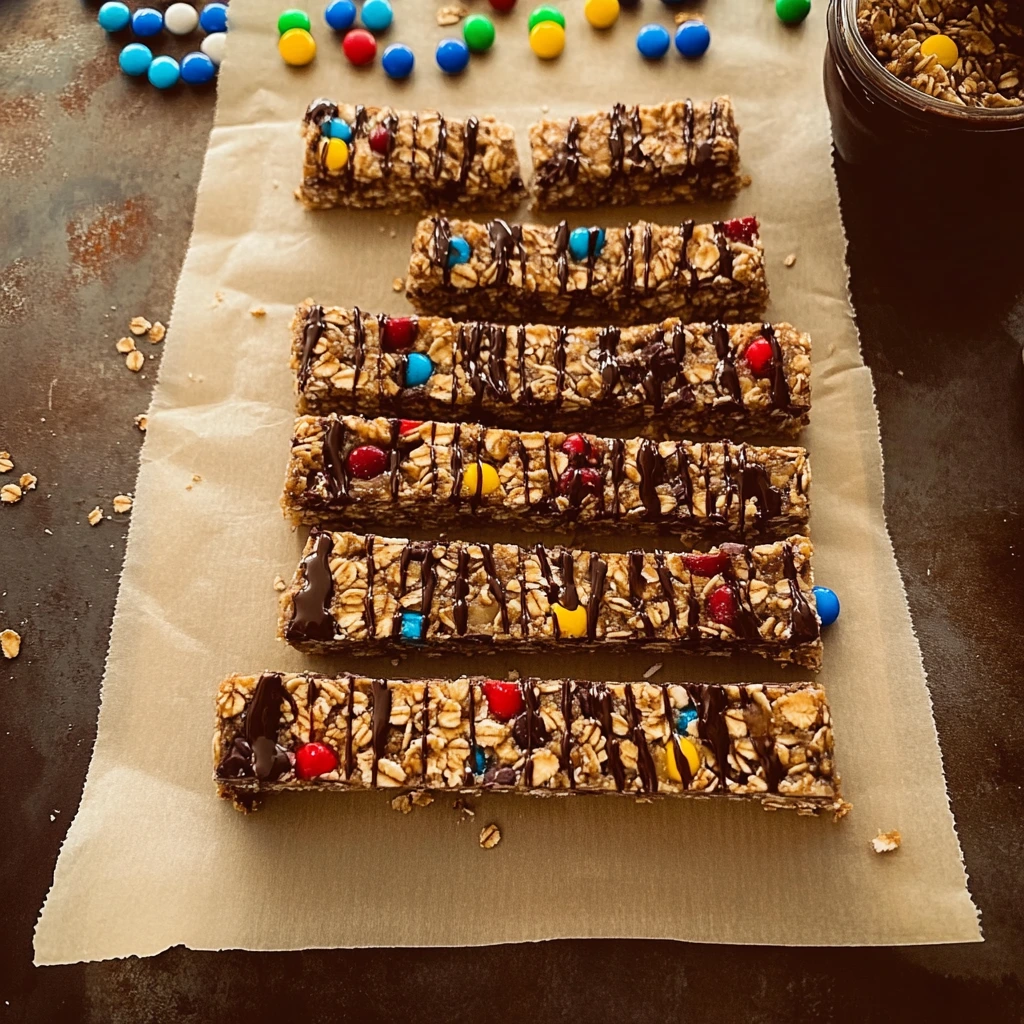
<point x="879" y="119"/>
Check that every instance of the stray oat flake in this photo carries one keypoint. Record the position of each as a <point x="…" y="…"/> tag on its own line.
<point x="141" y="421"/>
<point x="451" y="14"/>
<point x="10" y="643"/>
<point x="139" y="325"/>
<point x="135" y="360"/>
<point x="6" y="462"/>
<point x="28" y="482"/>
<point x="490" y="836"/>
<point x="10" y="494"/>
<point x="887" y="842"/>
<point x="156" y="333"/>
<point x="122" y="503"/>
<point x="95" y="516"/>
<point x="257" y="311"/>
<point x="125" y="345"/>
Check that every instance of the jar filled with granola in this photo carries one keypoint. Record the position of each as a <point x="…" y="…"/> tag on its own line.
<point x="935" y="86"/>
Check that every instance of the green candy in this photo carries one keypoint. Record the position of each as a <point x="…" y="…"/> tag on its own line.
<point x="546" y="13"/>
<point x="792" y="12"/>
<point x="478" y="31"/>
<point x="292" y="18"/>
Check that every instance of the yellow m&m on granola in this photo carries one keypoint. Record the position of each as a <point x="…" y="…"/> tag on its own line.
<point x="570" y="622"/>
<point x="689" y="751"/>
<point x="334" y="154"/>
<point x="479" y="478"/>
<point x="942" y="48"/>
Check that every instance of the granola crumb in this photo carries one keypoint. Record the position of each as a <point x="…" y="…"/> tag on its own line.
<point x="490" y="836"/>
<point x="279" y="583"/>
<point x="122" y="503"/>
<point x="125" y="345"/>
<point x="451" y="14"/>
<point x="28" y="482"/>
<point x="466" y="813"/>
<point x="142" y="421"/>
<point x="196" y="478"/>
<point x="421" y="798"/>
<point x="513" y="675"/>
<point x="10" y="643"/>
<point x="790" y="259"/>
<point x="139" y="325"/>
<point x="218" y="297"/>
<point x="6" y="462"/>
<point x="654" y="670"/>
<point x="10" y="493"/>
<point x="887" y="842"/>
<point x="397" y="285"/>
<point x="95" y="515"/>
<point x="257" y="311"/>
<point x="841" y="810"/>
<point x="156" y="333"/>
<point x="402" y="803"/>
<point x="135" y="360"/>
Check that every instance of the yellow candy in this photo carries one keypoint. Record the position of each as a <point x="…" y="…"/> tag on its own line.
<point x="547" y="39"/>
<point x="942" y="48"/>
<point x="334" y="154"/>
<point x="297" y="47"/>
<point x="571" y="623"/>
<point x="689" y="751"/>
<point x="601" y="13"/>
<point x="471" y="479"/>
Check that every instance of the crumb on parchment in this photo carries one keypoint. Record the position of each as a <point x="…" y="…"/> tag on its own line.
<point x="95" y="516"/>
<point x="887" y="842"/>
<point x="490" y="836"/>
<point x="139" y="325"/>
<point x="10" y="643"/>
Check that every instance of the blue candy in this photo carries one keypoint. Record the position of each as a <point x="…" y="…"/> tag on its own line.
<point x="340" y="15"/>
<point x="398" y="61"/>
<point x="335" y="128"/>
<point x="579" y="243"/>
<point x="418" y="369"/>
<point x="147" y="21"/>
<point x="114" y="16"/>
<point x="479" y="761"/>
<point x="653" y="41"/>
<point x="828" y="605"/>
<point x="685" y="718"/>
<point x="197" y="68"/>
<point x="163" y="72"/>
<point x="692" y="39"/>
<point x="135" y="59"/>
<point x="452" y="56"/>
<point x="412" y="626"/>
<point x="458" y="251"/>
<point x="377" y="15"/>
<point x="214" y="18"/>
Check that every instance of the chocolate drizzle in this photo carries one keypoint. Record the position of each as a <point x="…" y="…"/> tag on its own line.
<point x="560" y="353"/>
<point x="442" y="145"/>
<point x="359" y="334"/>
<point x="618" y="472"/>
<point x="644" y="759"/>
<point x="311" y="334"/>
<point x="422" y="552"/>
<point x="255" y="750"/>
<point x="381" y="720"/>
<point x="566" y="161"/>
<point x="503" y="239"/>
<point x="759" y="727"/>
<point x="369" y="609"/>
<point x="665" y="578"/>
<point x="608" y="360"/>
<point x="497" y="590"/>
<point x="651" y="468"/>
<point x="390" y="123"/>
<point x="311" y="608"/>
<point x="562" y="255"/>
<point x="469" y="776"/>
<point x="596" y="703"/>
<point x="777" y="377"/>
<point x="350" y="703"/>
<point x="565" y="751"/>
<point x="682" y="765"/>
<point x="335" y="470"/>
<point x="805" y="626"/>
<point x="319" y="111"/>
<point x="711" y="707"/>
<point x="637" y="586"/>
<point x="536" y="734"/>
<point x="598" y="574"/>
<point x="726" y="380"/>
<point x="468" y="149"/>
<point x="440" y="245"/>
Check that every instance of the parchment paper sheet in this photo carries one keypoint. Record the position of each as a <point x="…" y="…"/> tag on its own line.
<point x="153" y="859"/>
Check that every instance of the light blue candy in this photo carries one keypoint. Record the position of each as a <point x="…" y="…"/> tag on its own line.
<point x="214" y="18"/>
<point x="114" y="16"/>
<point x="685" y="718"/>
<point x="398" y="61"/>
<point x="377" y="15"/>
<point x="412" y="626"/>
<point x="147" y="21"/>
<point x="452" y="56"/>
<point x="340" y="15"/>
<point x="197" y="68"/>
<point x="653" y="41"/>
<point x="335" y="128"/>
<point x="458" y="251"/>
<point x="135" y="59"/>
<point x="479" y="761"/>
<point x="579" y="243"/>
<point x="828" y="605"/>
<point x="692" y="39"/>
<point x="418" y="369"/>
<point x="163" y="72"/>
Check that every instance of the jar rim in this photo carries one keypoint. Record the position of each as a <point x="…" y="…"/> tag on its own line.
<point x="895" y="89"/>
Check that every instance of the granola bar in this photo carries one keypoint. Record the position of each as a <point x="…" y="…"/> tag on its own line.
<point x="354" y="594"/>
<point x="381" y="158"/>
<point x="670" y="377"/>
<point x="405" y="472"/>
<point x="673" y="152"/>
<point x="770" y="742"/>
<point x="634" y="274"/>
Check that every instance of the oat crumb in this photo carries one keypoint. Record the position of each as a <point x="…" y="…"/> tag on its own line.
<point x="139" y="325"/>
<point x="95" y="515"/>
<point x="28" y="482"/>
<point x="6" y="462"/>
<point x="10" y="643"/>
<point x="451" y="14"/>
<point x="513" y="675"/>
<point x="466" y="813"/>
<point x="135" y="360"/>
<point x="490" y="836"/>
<point x="397" y="285"/>
<point x="156" y="333"/>
<point x="402" y="803"/>
<point x="125" y="345"/>
<point x="790" y="259"/>
<point x="279" y="583"/>
<point x="421" y="798"/>
<point x="196" y="478"/>
<point x="887" y="842"/>
<point x="257" y="311"/>
<point x="122" y="503"/>
<point x="10" y="493"/>
<point x="142" y="421"/>
<point x="654" y="670"/>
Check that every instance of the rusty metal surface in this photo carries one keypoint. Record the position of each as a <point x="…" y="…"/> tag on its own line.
<point x="98" y="176"/>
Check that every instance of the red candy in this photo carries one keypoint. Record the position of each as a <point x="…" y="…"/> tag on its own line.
<point x="408" y="426"/>
<point x="380" y="140"/>
<point x="366" y="462"/>
<point x="741" y="229"/>
<point x="398" y="332"/>
<point x="313" y="759"/>
<point x="359" y="46"/>
<point x="706" y="565"/>
<point x="503" y="5"/>
<point x="759" y="356"/>
<point x="590" y="481"/>
<point x="722" y="606"/>
<point x="504" y="699"/>
<point x="576" y="446"/>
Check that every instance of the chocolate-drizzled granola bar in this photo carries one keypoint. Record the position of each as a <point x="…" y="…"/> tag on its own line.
<point x="678" y="151"/>
<point x="627" y="275"/>
<point x="770" y="742"/>
<point x="668" y="377"/>
<point x="405" y="160"/>
<point x="354" y="594"/>
<point x="404" y="472"/>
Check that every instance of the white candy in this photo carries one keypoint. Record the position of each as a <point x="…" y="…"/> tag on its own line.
<point x="213" y="46"/>
<point x="180" y="19"/>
